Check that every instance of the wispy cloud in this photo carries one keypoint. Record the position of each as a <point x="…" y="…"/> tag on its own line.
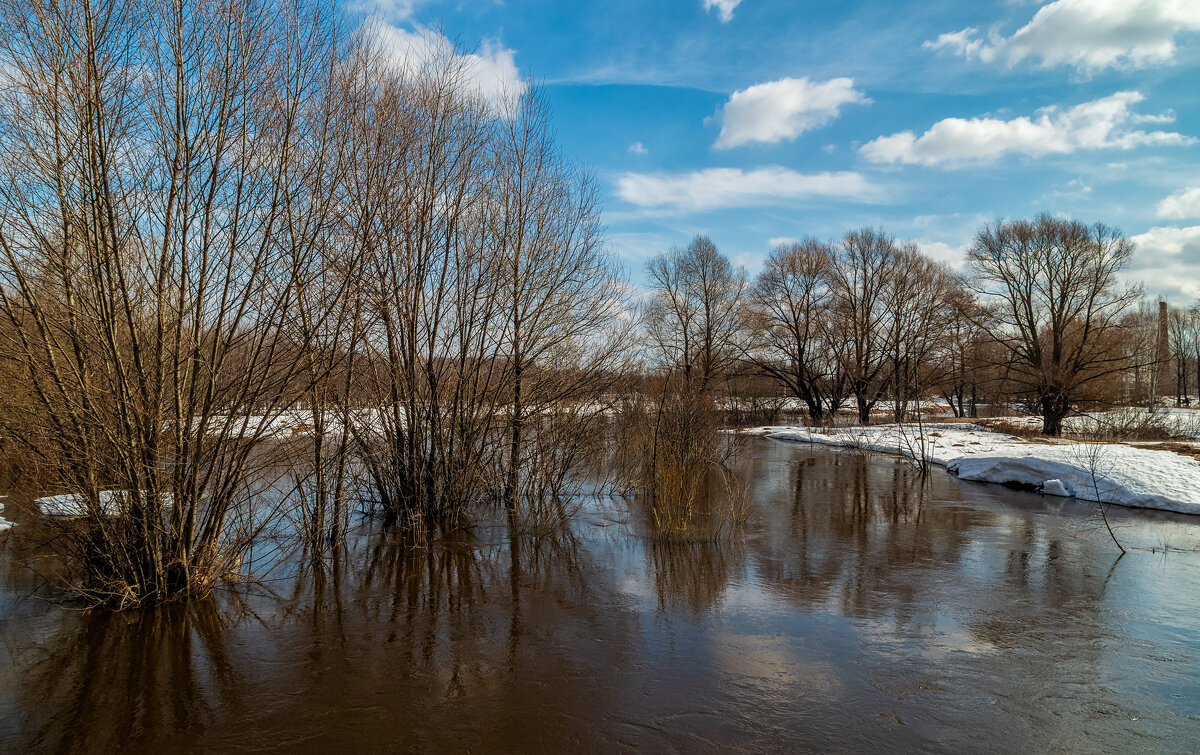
<point x="1100" y="124"/>
<point x="639" y="247"/>
<point x="1090" y="35"/>
<point x="1076" y="188"/>
<point x="637" y="148"/>
<point x="782" y="110"/>
<point x="724" y="8"/>
<point x="723" y="188"/>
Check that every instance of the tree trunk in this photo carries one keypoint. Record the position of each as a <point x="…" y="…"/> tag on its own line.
<point x="812" y="399"/>
<point x="864" y="409"/>
<point x="514" y="449"/>
<point x="816" y="412"/>
<point x="1054" y="409"/>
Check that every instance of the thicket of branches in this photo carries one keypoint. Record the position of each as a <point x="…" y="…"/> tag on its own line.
<point x="219" y="220"/>
<point x="1184" y="342"/>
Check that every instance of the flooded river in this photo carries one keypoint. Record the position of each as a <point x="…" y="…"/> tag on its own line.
<point x="861" y="610"/>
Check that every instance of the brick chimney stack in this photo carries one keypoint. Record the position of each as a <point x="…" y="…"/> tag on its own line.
<point x="1162" y="354"/>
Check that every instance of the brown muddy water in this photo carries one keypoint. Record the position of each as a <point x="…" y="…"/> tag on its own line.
<point x="860" y="611"/>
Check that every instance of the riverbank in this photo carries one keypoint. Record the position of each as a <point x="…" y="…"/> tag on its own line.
<point x="1118" y="473"/>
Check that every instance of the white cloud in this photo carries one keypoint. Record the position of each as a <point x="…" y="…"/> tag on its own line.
<point x="1168" y="261"/>
<point x="1090" y="35"/>
<point x="782" y="241"/>
<point x="1099" y="124"/>
<point x="963" y="42"/>
<point x="724" y="8"/>
<point x="388" y="10"/>
<point x="940" y="251"/>
<point x="783" y="109"/>
<point x="1181" y="204"/>
<point x="722" y="188"/>
<point x="1170" y="241"/>
<point x="752" y="262"/>
<point x="491" y="73"/>
<point x="638" y="148"/>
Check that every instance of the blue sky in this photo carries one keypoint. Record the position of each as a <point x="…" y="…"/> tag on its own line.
<point x="756" y="121"/>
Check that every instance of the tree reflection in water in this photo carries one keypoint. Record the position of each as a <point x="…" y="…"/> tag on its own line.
<point x="132" y="677"/>
<point x="694" y="575"/>
<point x="861" y="596"/>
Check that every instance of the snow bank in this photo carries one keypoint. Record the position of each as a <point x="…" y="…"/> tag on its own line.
<point x="1112" y="473"/>
<point x="4" y="523"/>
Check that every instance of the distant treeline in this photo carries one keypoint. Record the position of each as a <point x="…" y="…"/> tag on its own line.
<point x="1037" y="319"/>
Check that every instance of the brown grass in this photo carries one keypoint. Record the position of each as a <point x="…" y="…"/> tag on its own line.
<point x="1183" y="449"/>
<point x="1025" y="432"/>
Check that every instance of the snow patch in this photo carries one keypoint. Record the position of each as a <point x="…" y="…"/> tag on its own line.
<point x="112" y="503"/>
<point x="1110" y="472"/>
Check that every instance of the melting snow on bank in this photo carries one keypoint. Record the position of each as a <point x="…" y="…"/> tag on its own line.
<point x="1110" y="472"/>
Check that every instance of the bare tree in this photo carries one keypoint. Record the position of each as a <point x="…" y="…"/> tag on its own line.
<point x="789" y="321"/>
<point x="563" y="336"/>
<point x="919" y="313"/>
<point x="1057" y="305"/>
<point x="1194" y="341"/>
<point x="151" y="227"/>
<point x="693" y="322"/>
<point x="491" y="315"/>
<point x="1180" y="334"/>
<point x="860" y="279"/>
<point x="1139" y="328"/>
<point x="328" y="308"/>
<point x="693" y="316"/>
<point x="416" y="212"/>
<point x="963" y="366"/>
